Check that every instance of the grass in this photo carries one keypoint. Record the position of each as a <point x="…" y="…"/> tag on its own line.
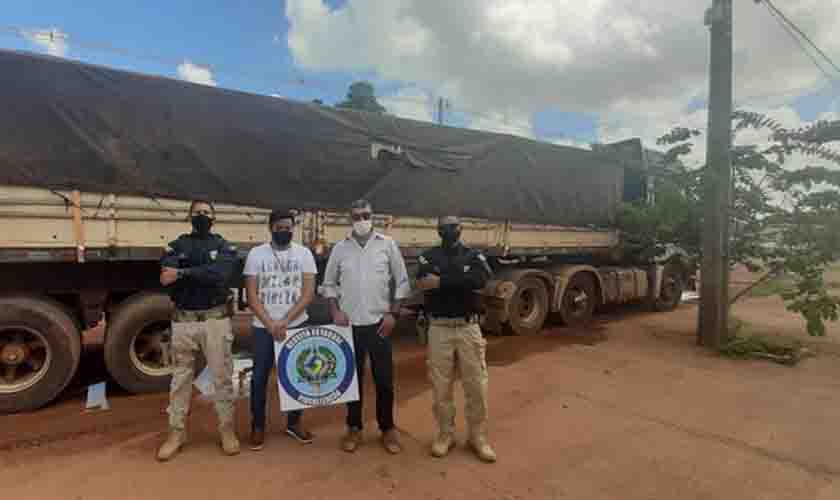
<point x="775" y="287"/>
<point x="746" y="345"/>
<point x="772" y="287"/>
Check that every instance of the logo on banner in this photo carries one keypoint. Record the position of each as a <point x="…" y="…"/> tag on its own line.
<point x="316" y="366"/>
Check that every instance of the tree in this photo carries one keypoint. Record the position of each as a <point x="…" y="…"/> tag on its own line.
<point x="361" y="96"/>
<point x="783" y="219"/>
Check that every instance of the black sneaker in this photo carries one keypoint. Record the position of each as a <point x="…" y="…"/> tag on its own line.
<point x="300" y="434"/>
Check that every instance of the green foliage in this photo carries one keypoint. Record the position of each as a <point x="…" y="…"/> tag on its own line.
<point x="772" y="287"/>
<point x="746" y="345"/>
<point x="780" y="350"/>
<point x="361" y="97"/>
<point x="781" y="218"/>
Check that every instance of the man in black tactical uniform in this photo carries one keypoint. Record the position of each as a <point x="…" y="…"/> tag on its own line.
<point x="449" y="275"/>
<point x="197" y="269"/>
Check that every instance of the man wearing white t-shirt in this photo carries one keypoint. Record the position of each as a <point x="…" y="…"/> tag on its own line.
<point x="280" y="283"/>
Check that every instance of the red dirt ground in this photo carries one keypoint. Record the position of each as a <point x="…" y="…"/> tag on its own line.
<point x="630" y="409"/>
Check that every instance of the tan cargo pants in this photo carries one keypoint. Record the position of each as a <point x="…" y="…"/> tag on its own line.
<point x="214" y="338"/>
<point x="457" y="343"/>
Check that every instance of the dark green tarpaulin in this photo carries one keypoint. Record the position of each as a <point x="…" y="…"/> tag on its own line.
<point x="67" y="125"/>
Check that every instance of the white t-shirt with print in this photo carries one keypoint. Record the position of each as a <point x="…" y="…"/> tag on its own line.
<point x="279" y="276"/>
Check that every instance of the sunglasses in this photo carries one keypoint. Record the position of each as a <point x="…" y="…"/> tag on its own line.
<point x="362" y="216"/>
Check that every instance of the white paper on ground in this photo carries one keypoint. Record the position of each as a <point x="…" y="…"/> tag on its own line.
<point x="96" y="399"/>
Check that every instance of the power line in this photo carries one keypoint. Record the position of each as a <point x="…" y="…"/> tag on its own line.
<point x="798" y="41"/>
<point x="779" y="17"/>
<point x="801" y="33"/>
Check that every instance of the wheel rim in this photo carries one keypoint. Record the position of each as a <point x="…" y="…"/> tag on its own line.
<point x="150" y="350"/>
<point x="527" y="307"/>
<point x="25" y="358"/>
<point x="576" y="301"/>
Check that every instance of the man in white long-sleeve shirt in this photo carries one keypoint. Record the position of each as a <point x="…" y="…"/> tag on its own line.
<point x="363" y="273"/>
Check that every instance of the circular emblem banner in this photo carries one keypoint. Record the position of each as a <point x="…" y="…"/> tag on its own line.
<point x="316" y="366"/>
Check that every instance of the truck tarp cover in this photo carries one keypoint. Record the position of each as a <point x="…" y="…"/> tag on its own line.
<point x="66" y="125"/>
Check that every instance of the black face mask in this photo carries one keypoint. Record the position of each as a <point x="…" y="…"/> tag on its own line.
<point x="281" y="238"/>
<point x="201" y="223"/>
<point x="449" y="235"/>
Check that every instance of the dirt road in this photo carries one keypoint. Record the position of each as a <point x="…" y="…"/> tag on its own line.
<point x="628" y="410"/>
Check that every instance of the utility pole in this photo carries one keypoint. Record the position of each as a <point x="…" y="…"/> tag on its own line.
<point x="714" y="286"/>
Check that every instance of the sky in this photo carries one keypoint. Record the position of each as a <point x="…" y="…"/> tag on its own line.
<point x="554" y="70"/>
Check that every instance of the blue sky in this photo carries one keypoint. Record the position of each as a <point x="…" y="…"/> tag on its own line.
<point x="244" y="43"/>
<point x="246" y="46"/>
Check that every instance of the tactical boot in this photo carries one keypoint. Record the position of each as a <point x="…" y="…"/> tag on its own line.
<point x="482" y="449"/>
<point x="443" y="443"/>
<point x="177" y="438"/>
<point x="230" y="443"/>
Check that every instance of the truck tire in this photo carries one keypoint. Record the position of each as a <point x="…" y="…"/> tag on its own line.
<point x="40" y="348"/>
<point x="579" y="300"/>
<point x="137" y="344"/>
<point x="528" y="307"/>
<point x="673" y="285"/>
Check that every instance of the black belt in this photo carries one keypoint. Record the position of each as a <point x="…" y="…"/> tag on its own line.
<point x="473" y="318"/>
<point x="218" y="312"/>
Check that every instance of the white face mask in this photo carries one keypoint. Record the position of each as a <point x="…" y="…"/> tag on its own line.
<point x="362" y="227"/>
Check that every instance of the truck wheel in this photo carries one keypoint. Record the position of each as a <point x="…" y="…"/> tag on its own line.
<point x="670" y="293"/>
<point x="579" y="301"/>
<point x="528" y="307"/>
<point x="40" y="347"/>
<point x="137" y="344"/>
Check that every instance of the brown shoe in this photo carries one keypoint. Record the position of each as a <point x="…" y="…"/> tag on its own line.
<point x="352" y="440"/>
<point x="391" y="441"/>
<point x="257" y="439"/>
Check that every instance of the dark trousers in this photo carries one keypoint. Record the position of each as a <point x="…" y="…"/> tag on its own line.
<point x="264" y="358"/>
<point x="366" y="341"/>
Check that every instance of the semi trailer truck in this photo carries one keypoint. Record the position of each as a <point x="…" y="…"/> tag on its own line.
<point x="97" y="168"/>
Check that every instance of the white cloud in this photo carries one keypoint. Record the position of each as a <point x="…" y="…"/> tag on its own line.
<point x="416" y="104"/>
<point x="195" y="73"/>
<point x="513" y="124"/>
<point x="526" y="54"/>
<point x="637" y="65"/>
<point x="572" y="142"/>
<point x="411" y="103"/>
<point x="53" y="40"/>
